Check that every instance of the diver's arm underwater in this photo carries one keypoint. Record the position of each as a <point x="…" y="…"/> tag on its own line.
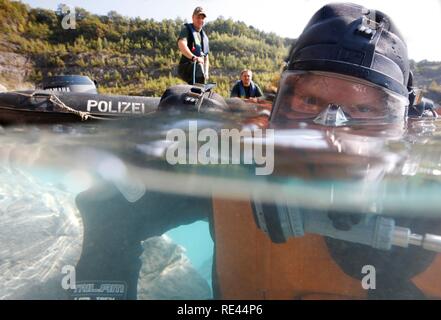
<point x="115" y="227"/>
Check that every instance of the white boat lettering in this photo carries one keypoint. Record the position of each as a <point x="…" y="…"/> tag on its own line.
<point x="121" y="107"/>
<point x="128" y="104"/>
<point x="135" y="107"/>
<point x="91" y="104"/>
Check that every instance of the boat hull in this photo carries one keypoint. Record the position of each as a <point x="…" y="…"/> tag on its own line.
<point x="59" y="107"/>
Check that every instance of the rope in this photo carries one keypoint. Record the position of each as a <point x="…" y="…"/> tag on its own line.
<point x="195" y="63"/>
<point x="57" y="102"/>
<point x="194" y="72"/>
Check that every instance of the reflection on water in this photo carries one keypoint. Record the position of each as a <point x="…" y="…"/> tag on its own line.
<point x="378" y="170"/>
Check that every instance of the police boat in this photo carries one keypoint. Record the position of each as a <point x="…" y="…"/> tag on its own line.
<point x="74" y="98"/>
<point x="70" y="98"/>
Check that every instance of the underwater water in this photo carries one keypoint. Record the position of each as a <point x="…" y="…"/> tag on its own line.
<point x="340" y="183"/>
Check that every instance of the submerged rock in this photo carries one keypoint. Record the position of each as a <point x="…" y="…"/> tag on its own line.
<point x="40" y="232"/>
<point x="167" y="273"/>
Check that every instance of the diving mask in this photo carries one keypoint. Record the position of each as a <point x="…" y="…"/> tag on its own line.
<point x="333" y="100"/>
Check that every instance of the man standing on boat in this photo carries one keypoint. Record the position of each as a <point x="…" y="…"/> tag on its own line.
<point x="193" y="44"/>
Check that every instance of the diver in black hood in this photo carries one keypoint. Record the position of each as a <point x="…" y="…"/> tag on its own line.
<point x="349" y="66"/>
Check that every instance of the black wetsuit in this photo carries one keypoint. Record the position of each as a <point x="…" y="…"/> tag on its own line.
<point x="115" y="227"/>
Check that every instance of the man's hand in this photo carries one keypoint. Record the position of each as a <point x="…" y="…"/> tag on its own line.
<point x="199" y="60"/>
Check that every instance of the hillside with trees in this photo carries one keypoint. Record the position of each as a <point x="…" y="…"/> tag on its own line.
<point x="131" y="55"/>
<point x="137" y="56"/>
<point x="428" y="76"/>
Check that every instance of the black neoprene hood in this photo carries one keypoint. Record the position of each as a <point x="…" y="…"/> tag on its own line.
<point x="349" y="39"/>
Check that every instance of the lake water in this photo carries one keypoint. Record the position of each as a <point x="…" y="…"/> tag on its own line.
<point x="363" y="171"/>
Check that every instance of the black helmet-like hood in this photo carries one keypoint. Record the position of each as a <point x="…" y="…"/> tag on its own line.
<point x="352" y="40"/>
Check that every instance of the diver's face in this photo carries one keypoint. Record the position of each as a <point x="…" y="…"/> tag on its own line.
<point x="306" y="95"/>
<point x="198" y="21"/>
<point x="314" y="95"/>
<point x="246" y="78"/>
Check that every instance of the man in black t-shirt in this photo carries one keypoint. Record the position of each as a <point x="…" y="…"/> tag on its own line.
<point x="245" y="88"/>
<point x="193" y="44"/>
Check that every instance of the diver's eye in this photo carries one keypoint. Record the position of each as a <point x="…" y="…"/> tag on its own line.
<point x="288" y="91"/>
<point x="310" y="100"/>
<point x="364" y="108"/>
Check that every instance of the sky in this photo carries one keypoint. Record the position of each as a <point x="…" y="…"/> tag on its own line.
<point x="418" y="20"/>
